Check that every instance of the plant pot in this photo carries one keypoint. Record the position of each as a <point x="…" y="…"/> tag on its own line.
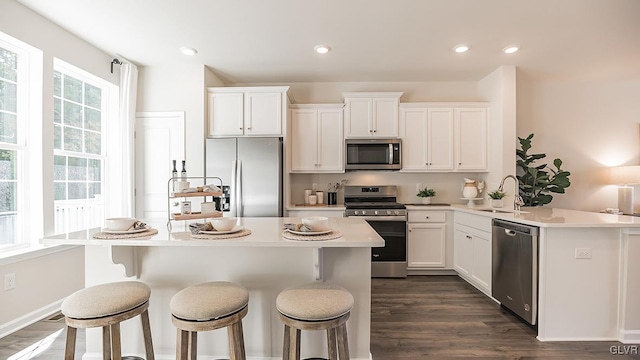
<point x="426" y="200"/>
<point x="497" y="203"/>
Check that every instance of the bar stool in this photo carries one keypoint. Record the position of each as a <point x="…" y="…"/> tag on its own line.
<point x="106" y="306"/>
<point x="209" y="306"/>
<point x="315" y="306"/>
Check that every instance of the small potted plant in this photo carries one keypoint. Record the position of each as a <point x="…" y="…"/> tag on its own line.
<point x="496" y="198"/>
<point x="426" y="194"/>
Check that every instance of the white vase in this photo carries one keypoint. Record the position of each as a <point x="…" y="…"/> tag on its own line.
<point x="470" y="190"/>
<point x="426" y="200"/>
<point x="496" y="203"/>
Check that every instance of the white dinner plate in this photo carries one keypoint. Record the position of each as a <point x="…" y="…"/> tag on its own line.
<point x="108" y="231"/>
<point x="310" y="232"/>
<point x="234" y="230"/>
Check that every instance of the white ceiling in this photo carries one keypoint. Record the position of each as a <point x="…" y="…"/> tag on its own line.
<point x="267" y="41"/>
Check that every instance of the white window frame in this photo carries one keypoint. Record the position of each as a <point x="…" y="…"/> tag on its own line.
<point x="109" y="108"/>
<point x="29" y="145"/>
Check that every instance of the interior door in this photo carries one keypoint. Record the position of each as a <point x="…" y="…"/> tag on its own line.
<point x="160" y="138"/>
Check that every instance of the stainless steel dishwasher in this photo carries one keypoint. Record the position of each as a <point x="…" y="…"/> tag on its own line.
<point x="514" y="280"/>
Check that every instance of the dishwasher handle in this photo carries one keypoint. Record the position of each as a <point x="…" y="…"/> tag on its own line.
<point x="510" y="232"/>
<point x="514" y="228"/>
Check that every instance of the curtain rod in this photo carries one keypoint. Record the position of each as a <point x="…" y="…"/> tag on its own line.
<point x="115" y="61"/>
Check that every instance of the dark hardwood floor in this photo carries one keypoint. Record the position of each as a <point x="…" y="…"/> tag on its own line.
<point x="421" y="317"/>
<point x="440" y="317"/>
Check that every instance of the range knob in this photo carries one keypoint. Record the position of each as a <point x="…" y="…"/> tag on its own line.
<point x="363" y="212"/>
<point x="389" y="212"/>
<point x="397" y="212"/>
<point x="376" y="212"/>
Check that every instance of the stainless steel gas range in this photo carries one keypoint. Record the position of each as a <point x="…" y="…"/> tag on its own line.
<point x="379" y="207"/>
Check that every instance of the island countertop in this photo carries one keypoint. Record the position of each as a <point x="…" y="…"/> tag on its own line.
<point x="265" y="232"/>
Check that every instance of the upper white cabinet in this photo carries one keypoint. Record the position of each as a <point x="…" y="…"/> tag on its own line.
<point x="443" y="137"/>
<point x="316" y="138"/>
<point x="471" y="139"/>
<point x="371" y="114"/>
<point x="427" y="138"/>
<point x="246" y="111"/>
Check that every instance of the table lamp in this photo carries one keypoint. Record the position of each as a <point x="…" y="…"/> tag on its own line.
<point x="624" y="176"/>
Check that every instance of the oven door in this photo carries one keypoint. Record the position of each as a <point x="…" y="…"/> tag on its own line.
<point x="390" y="260"/>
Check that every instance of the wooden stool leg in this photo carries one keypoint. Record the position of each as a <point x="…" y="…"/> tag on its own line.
<point x="182" y="345"/>
<point x="146" y="331"/>
<point x="294" y="354"/>
<point x="106" y="342"/>
<point x="343" y="342"/>
<point x="193" y="345"/>
<point x="331" y="343"/>
<point x="70" y="347"/>
<point x="116" y="349"/>
<point x="236" y="341"/>
<point x="285" y="344"/>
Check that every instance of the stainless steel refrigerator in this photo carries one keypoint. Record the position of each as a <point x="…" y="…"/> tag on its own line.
<point x="252" y="168"/>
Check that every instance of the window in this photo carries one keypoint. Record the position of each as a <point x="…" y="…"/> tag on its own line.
<point x="80" y="103"/>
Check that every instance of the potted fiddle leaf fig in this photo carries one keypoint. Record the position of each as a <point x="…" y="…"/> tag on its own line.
<point x="496" y="198"/>
<point x="426" y="194"/>
<point x="539" y="182"/>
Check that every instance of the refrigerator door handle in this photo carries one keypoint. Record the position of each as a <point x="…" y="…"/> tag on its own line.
<point x="240" y="200"/>
<point x="233" y="192"/>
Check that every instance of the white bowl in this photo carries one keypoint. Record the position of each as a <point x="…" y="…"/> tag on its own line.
<point x="316" y="223"/>
<point x="119" y="224"/>
<point x="224" y="224"/>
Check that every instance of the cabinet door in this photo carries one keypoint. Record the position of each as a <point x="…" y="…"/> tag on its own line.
<point x="358" y="117"/>
<point x="481" y="271"/>
<point x="413" y="124"/>
<point x="471" y="139"/>
<point x="330" y="140"/>
<point x="226" y="114"/>
<point x="304" y="140"/>
<point x="263" y="114"/>
<point x="462" y="251"/>
<point x="426" y="246"/>
<point x="385" y="117"/>
<point x="440" y="139"/>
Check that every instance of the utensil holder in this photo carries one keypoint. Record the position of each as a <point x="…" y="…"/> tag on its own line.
<point x="332" y="198"/>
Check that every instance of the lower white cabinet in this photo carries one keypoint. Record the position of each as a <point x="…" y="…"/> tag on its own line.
<point x="426" y="239"/>
<point x="472" y="250"/>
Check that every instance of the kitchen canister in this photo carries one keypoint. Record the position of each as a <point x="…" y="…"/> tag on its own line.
<point x="207" y="207"/>
<point x="307" y="193"/>
<point x="313" y="199"/>
<point x="320" y="197"/>
<point x="185" y="207"/>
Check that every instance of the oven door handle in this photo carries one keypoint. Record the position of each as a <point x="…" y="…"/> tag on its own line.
<point x="381" y="218"/>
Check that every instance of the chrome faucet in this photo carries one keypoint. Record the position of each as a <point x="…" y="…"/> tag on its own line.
<point x="517" y="200"/>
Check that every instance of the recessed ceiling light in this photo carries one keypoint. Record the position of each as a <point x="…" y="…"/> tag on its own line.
<point x="189" y="51"/>
<point x="322" y="49"/>
<point x="510" y="49"/>
<point x="461" y="48"/>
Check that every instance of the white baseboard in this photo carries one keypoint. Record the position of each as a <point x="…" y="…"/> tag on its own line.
<point x="629" y="336"/>
<point x="30" y="318"/>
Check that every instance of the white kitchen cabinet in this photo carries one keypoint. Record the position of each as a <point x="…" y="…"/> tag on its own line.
<point x="471" y="139"/>
<point x="427" y="138"/>
<point x="246" y="111"/>
<point x="316" y="138"/>
<point x="472" y="250"/>
<point x="426" y="239"/>
<point x="371" y="114"/>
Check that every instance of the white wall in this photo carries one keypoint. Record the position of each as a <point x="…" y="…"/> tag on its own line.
<point x="44" y="280"/>
<point x="591" y="126"/>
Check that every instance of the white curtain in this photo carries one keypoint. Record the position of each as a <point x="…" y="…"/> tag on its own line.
<point x="121" y="161"/>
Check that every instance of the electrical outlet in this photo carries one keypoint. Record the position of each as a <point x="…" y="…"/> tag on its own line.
<point x="314" y="186"/>
<point x="418" y="186"/>
<point x="9" y="281"/>
<point x="583" y="253"/>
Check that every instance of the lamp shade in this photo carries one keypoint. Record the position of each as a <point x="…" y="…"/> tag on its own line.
<point x="625" y="175"/>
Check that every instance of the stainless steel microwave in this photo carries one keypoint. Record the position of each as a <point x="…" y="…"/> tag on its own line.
<point x="373" y="154"/>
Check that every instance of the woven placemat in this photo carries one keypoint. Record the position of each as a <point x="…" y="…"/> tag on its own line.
<point x="241" y="233"/>
<point x="334" y="234"/>
<point x="106" y="236"/>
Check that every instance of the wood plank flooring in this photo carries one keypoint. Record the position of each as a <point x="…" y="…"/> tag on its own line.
<point x="421" y="317"/>
<point x="441" y="317"/>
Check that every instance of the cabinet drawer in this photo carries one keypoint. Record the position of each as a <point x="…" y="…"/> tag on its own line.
<point x="427" y="216"/>
<point x="475" y="221"/>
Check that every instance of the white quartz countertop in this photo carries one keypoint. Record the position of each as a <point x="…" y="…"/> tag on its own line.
<point x="265" y="232"/>
<point x="317" y="207"/>
<point x="554" y="217"/>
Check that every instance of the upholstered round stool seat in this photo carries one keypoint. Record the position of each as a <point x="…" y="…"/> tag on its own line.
<point x="211" y="300"/>
<point x="209" y="306"/>
<point x="106" y="300"/>
<point x="314" y="301"/>
<point x="315" y="306"/>
<point x="106" y="306"/>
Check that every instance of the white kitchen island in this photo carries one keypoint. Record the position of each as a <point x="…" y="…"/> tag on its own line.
<point x="264" y="262"/>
